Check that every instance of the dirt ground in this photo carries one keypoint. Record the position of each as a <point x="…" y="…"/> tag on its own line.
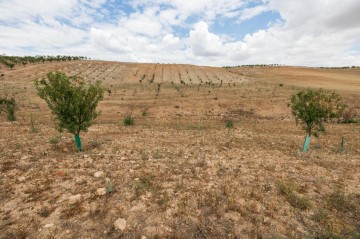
<point x="179" y="172"/>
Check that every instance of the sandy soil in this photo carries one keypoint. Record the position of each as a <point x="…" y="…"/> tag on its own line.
<point x="179" y="172"/>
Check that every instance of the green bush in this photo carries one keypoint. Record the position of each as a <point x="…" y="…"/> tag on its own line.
<point x="229" y="124"/>
<point x="8" y="106"/>
<point x="129" y="120"/>
<point x="71" y="101"/>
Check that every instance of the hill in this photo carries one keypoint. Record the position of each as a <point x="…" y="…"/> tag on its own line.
<point x="179" y="171"/>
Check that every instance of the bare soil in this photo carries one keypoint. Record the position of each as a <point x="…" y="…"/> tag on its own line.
<point x="179" y="172"/>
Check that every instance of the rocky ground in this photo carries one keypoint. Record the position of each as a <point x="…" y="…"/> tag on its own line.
<point x="178" y="172"/>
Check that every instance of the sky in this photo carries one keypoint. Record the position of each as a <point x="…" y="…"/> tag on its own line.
<point x="200" y="32"/>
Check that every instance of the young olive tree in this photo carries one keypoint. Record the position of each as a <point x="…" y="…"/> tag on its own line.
<point x="71" y="101"/>
<point x="313" y="108"/>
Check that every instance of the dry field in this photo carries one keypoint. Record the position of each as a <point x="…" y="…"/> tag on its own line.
<point x="179" y="172"/>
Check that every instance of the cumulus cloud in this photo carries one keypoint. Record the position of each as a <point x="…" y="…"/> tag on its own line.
<point x="145" y="23"/>
<point x="322" y="32"/>
<point x="204" y="43"/>
<point x="170" y="40"/>
<point x="111" y="40"/>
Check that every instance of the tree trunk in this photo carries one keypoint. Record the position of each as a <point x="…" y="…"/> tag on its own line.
<point x="306" y="143"/>
<point x="78" y="142"/>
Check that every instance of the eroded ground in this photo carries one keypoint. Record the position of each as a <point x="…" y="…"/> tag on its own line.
<point x="179" y="172"/>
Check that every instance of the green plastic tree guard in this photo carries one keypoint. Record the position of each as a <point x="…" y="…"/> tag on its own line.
<point x="306" y="143"/>
<point x="78" y="142"/>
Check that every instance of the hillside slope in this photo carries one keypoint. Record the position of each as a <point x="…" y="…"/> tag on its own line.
<point x="179" y="172"/>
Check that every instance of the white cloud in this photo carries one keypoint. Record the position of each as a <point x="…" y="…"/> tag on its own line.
<point x="170" y="41"/>
<point x="204" y="43"/>
<point x="249" y="13"/>
<point x="40" y="35"/>
<point x="322" y="32"/>
<point x="111" y="40"/>
<point x="143" y="23"/>
<point x="18" y="10"/>
<point x="208" y="9"/>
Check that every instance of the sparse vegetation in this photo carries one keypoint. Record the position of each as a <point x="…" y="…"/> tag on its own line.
<point x="229" y="124"/>
<point x="349" y="117"/>
<point x="129" y="120"/>
<point x="340" y="201"/>
<point x="109" y="186"/>
<point x="288" y="190"/>
<point x="95" y="143"/>
<point x="34" y="129"/>
<point x="145" y="184"/>
<point x="55" y="139"/>
<point x="341" y="148"/>
<point x="183" y="171"/>
<point x="72" y="210"/>
<point x="8" y="106"/>
<point x="144" y="112"/>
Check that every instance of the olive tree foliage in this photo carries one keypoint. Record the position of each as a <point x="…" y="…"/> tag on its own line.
<point x="312" y="108"/>
<point x="71" y="100"/>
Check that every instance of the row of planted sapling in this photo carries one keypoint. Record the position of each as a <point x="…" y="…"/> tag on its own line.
<point x="110" y="72"/>
<point x="159" y="72"/>
<point x="143" y="75"/>
<point x="155" y="79"/>
<point x="107" y="73"/>
<point x="73" y="103"/>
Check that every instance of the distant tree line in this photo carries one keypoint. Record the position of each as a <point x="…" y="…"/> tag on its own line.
<point x="338" y="67"/>
<point x="255" y="65"/>
<point x="11" y="61"/>
<point x="272" y="65"/>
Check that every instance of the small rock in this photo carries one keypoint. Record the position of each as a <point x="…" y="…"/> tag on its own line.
<point x="74" y="199"/>
<point x="257" y="207"/>
<point x="139" y="207"/>
<point x="24" y="157"/>
<point x="80" y="181"/>
<point x="98" y="174"/>
<point x="120" y="224"/>
<point x="21" y="179"/>
<point x="123" y="158"/>
<point x="49" y="225"/>
<point x="143" y="237"/>
<point x="101" y="191"/>
<point x="131" y="170"/>
<point x="65" y="150"/>
<point x="267" y="220"/>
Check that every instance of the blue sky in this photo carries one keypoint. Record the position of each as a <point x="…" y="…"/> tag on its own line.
<point x="202" y="32"/>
